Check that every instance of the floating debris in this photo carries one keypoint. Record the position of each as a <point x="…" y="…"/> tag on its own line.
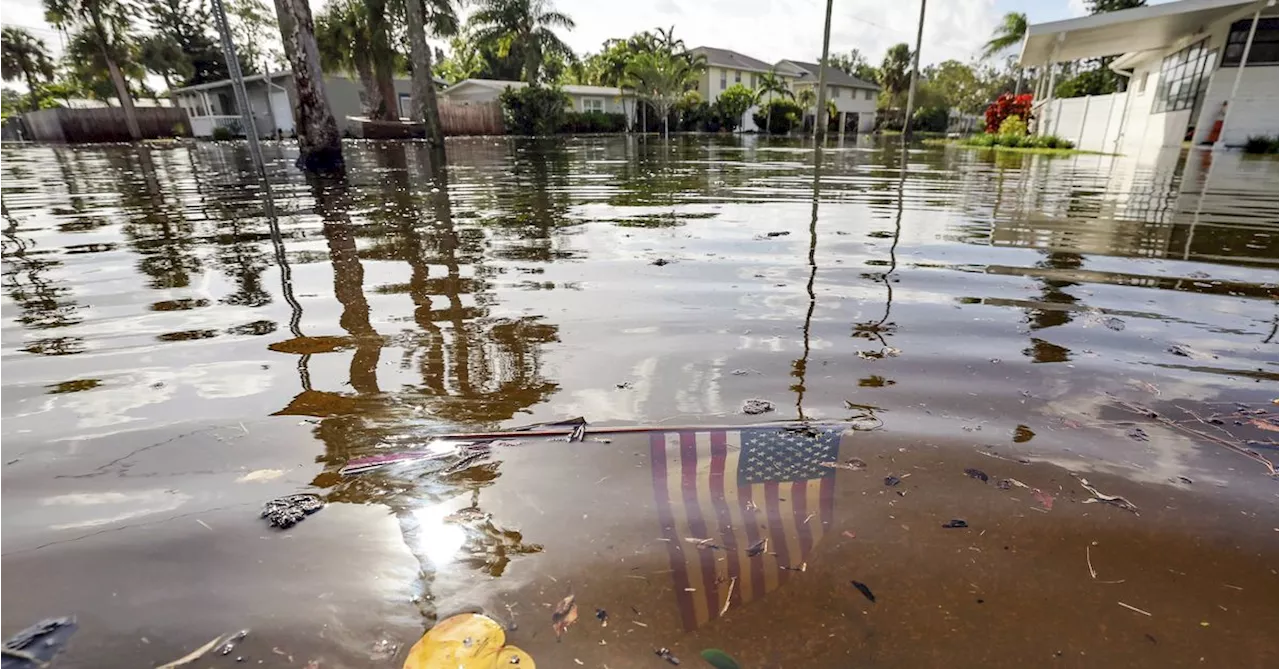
<point x="665" y="653"/>
<point x="195" y="654"/>
<point x="1045" y="499"/>
<point x="757" y="548"/>
<point x="777" y="233"/>
<point x="603" y="617"/>
<point x="892" y="481"/>
<point x="853" y="465"/>
<point x="285" y="512"/>
<point x="1108" y="499"/>
<point x="756" y="407"/>
<point x="866" y="592"/>
<point x="719" y="659"/>
<point x="564" y="615"/>
<point x="36" y="645"/>
<point x="977" y="474"/>
<point x="1135" y="609"/>
<point x="1179" y="350"/>
<point x="660" y="262"/>
<point x="1138" y="434"/>
<point x="955" y="523"/>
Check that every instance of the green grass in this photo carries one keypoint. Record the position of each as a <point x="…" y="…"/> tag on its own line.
<point x="1039" y="151"/>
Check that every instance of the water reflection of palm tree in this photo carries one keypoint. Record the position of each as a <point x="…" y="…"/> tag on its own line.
<point x="161" y="234"/>
<point x="1055" y="305"/>
<point x="43" y="303"/>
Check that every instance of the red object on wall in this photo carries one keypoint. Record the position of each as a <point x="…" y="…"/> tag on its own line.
<point x="1216" y="131"/>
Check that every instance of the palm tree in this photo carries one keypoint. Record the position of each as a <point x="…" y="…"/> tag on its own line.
<point x="22" y="54"/>
<point x="1011" y="31"/>
<point x="163" y="56"/>
<point x="425" y="108"/>
<point x="319" y="142"/>
<point x="895" y="71"/>
<point x="768" y="85"/>
<point x="342" y="36"/>
<point x="107" y="24"/>
<point x="522" y="27"/>
<point x="662" y="78"/>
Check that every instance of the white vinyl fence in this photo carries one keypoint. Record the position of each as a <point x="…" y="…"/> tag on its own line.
<point x="1092" y="122"/>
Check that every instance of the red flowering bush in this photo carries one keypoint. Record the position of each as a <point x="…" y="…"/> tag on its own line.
<point x="1005" y="106"/>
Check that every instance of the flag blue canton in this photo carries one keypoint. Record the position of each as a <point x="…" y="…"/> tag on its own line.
<point x="783" y="455"/>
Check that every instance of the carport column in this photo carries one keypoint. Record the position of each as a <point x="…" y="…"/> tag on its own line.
<point x="204" y="96"/>
<point x="1084" y="118"/>
<point x="1235" y="87"/>
<point x="1053" y="79"/>
<point x="842" y="120"/>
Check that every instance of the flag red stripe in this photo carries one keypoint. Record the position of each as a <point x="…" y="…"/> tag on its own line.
<point x="658" y="460"/>
<point x="719" y="452"/>
<point x="799" y="503"/>
<point x="777" y="532"/>
<point x="752" y="520"/>
<point x="693" y="511"/>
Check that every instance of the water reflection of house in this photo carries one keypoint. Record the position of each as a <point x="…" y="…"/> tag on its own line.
<point x="1187" y="63"/>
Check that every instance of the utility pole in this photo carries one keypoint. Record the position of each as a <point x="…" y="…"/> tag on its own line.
<point x="820" y="114"/>
<point x="915" y="76"/>
<point x="237" y="85"/>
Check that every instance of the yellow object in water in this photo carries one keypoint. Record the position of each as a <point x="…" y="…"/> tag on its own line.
<point x="466" y="641"/>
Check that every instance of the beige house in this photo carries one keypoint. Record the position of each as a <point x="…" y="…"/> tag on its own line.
<point x="726" y="68"/>
<point x="581" y="98"/>
<point x="855" y="99"/>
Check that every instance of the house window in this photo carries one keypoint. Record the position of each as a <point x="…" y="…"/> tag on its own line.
<point x="1263" y="51"/>
<point x="1142" y="83"/>
<point x="871" y="95"/>
<point x="1183" y="76"/>
<point x="835" y="92"/>
<point x="724" y="78"/>
<point x="593" y="104"/>
<point x="406" y="104"/>
<point x="737" y="77"/>
<point x="753" y="81"/>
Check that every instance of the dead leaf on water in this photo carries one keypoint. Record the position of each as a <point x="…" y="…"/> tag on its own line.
<point x="564" y="615"/>
<point x="1262" y="423"/>
<point x="465" y="641"/>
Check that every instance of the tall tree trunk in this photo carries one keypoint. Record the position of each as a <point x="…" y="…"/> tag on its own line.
<point x="388" y="99"/>
<point x="387" y="107"/>
<point x="32" y="100"/>
<point x="425" y="108"/>
<point x="531" y="58"/>
<point x="126" y="100"/>
<point x="369" y="87"/>
<point x="319" y="142"/>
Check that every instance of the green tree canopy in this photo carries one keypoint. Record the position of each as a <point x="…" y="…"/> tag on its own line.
<point x="525" y="28"/>
<point x="1012" y="30"/>
<point x="25" y="57"/>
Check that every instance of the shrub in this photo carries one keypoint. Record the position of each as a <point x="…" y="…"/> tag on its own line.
<point x="593" y="121"/>
<point x="1015" y="141"/>
<point x="1013" y="125"/>
<point x="732" y="104"/>
<point x="1262" y="144"/>
<point x="1005" y="106"/>
<point x="222" y="133"/>
<point x="930" y="119"/>
<point x="533" y="110"/>
<point x="782" y="115"/>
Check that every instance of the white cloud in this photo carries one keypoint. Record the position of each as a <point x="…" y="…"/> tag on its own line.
<point x="771" y="30"/>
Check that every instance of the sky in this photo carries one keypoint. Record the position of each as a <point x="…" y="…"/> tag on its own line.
<point x="768" y="30"/>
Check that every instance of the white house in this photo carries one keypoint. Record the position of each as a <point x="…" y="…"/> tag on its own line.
<point x="854" y="98"/>
<point x="1199" y="70"/>
<point x="270" y="96"/>
<point x="581" y="98"/>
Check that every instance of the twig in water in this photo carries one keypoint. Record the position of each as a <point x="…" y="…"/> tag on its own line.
<point x="1103" y="497"/>
<point x="1089" y="561"/>
<point x="1137" y="408"/>
<point x="732" y="582"/>
<point x="1135" y="609"/>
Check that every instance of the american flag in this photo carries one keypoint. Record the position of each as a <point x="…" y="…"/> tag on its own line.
<point x="733" y="488"/>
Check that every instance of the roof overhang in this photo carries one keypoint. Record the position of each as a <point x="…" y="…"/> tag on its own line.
<point x="1125" y="31"/>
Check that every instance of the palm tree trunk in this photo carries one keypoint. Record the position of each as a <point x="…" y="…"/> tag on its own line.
<point x="32" y="100"/>
<point x="319" y="142"/>
<point x="364" y="72"/>
<point x="425" y="108"/>
<point x="126" y="100"/>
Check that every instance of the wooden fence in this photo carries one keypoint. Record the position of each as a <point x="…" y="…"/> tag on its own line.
<point x="471" y="118"/>
<point x="104" y="124"/>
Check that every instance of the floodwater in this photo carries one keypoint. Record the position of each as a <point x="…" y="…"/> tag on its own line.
<point x="178" y="348"/>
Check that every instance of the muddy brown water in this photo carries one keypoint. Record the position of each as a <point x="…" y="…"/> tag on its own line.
<point x="177" y="349"/>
